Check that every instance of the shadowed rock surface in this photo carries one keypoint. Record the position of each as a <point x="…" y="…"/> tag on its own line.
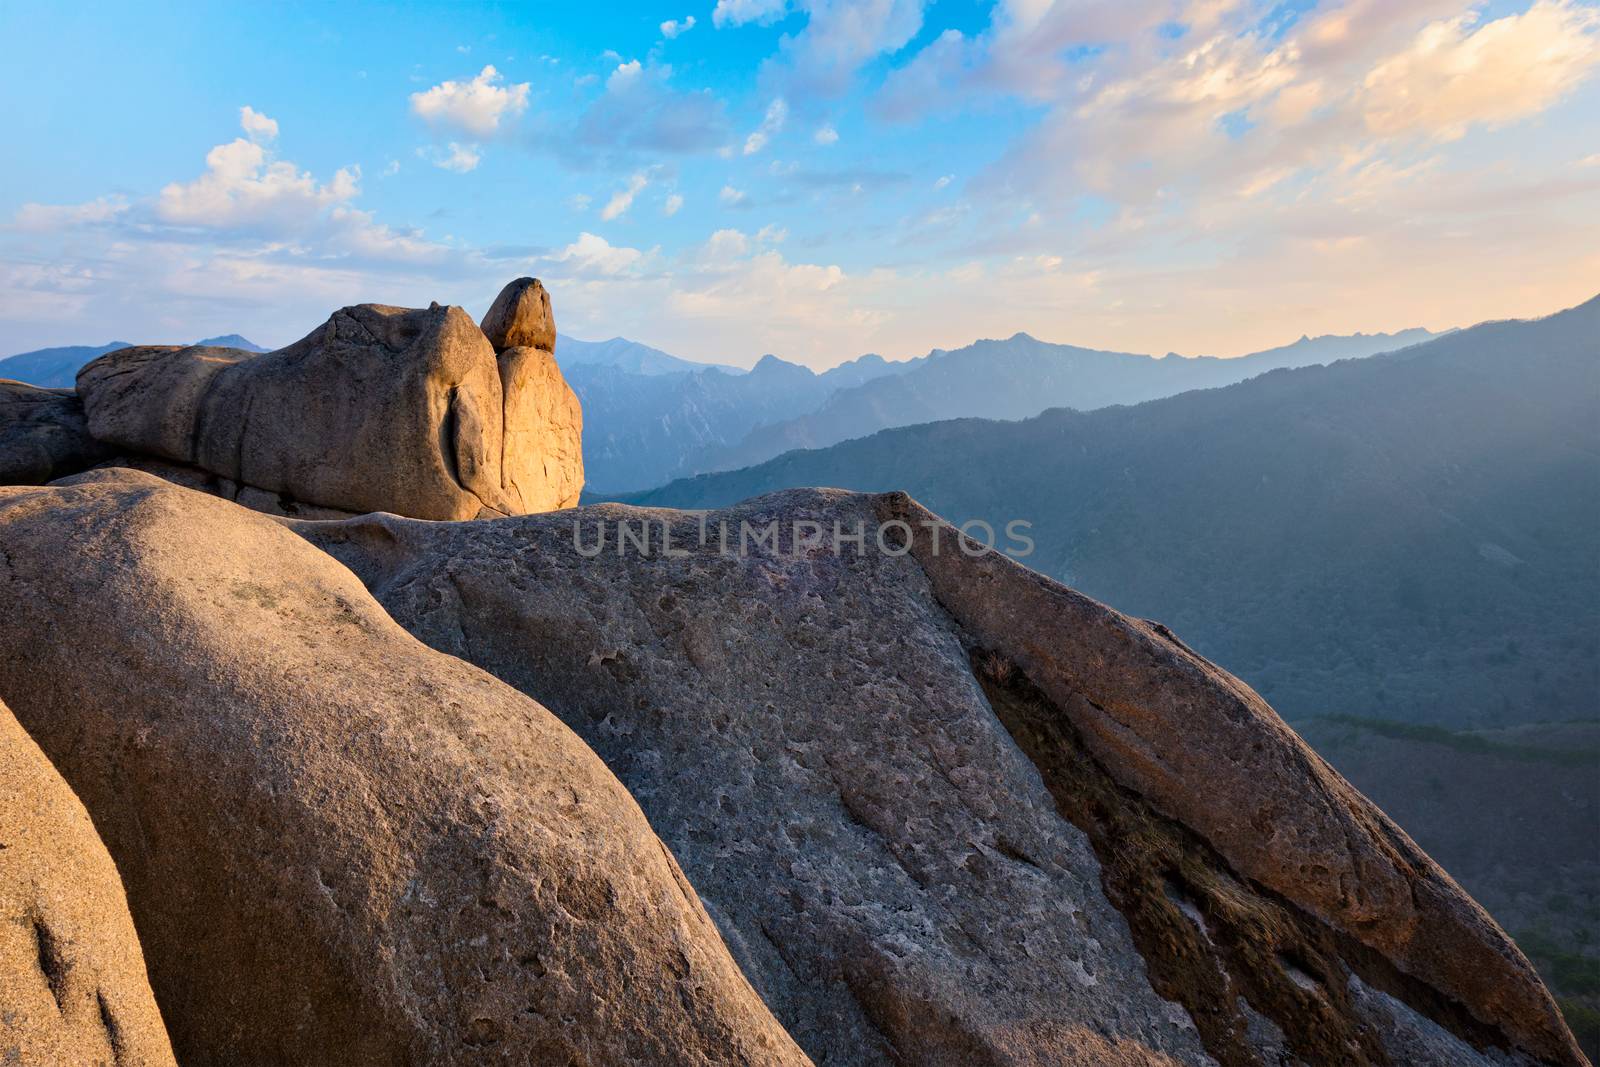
<point x="43" y="435"/>
<point x="72" y="980"/>
<point x="339" y="845"/>
<point x="379" y="409"/>
<point x="946" y="810"/>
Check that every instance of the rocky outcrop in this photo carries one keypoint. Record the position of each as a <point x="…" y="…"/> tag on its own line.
<point x="946" y="810"/>
<point x="72" y="980"/>
<point x="43" y="435"/>
<point x="339" y="845"/>
<point x="543" y="455"/>
<point x="379" y="409"/>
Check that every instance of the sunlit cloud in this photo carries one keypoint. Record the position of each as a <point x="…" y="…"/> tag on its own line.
<point x="476" y="107"/>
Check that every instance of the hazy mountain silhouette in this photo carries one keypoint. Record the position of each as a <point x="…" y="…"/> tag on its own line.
<point x="57" y="368"/>
<point x="1415" y="536"/>
<point x="629" y="356"/>
<point x="53" y="368"/>
<point x="1022" y="376"/>
<point x="664" y="427"/>
<point x="644" y="428"/>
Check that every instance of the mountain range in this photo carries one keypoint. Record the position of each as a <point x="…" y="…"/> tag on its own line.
<point x="57" y="368"/>
<point x="651" y="417"/>
<point x="1415" y="535"/>
<point x="646" y="427"/>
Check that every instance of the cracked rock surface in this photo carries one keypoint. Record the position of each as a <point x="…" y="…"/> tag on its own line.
<point x="945" y="810"/>
<point x="339" y="845"/>
<point x="73" y="988"/>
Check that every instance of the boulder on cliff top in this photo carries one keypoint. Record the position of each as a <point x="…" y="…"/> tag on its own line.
<point x="341" y="846"/>
<point x="945" y="809"/>
<point x="520" y="317"/>
<point x="379" y="409"/>
<point x="43" y="435"/>
<point x="73" y="988"/>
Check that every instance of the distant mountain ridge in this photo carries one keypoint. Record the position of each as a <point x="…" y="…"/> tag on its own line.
<point x="643" y="429"/>
<point x="628" y="356"/>
<point x="1413" y="535"/>
<point x="660" y="427"/>
<point x="1021" y="376"/>
<point x="57" y="368"/>
<point x="651" y="417"/>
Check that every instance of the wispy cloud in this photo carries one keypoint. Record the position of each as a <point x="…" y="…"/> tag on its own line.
<point x="771" y="123"/>
<point x="622" y="199"/>
<point x="675" y="28"/>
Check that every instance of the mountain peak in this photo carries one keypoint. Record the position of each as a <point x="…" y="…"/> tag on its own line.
<point x="229" y="340"/>
<point x="771" y="364"/>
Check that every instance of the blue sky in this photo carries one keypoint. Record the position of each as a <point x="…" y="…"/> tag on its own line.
<point x="811" y="178"/>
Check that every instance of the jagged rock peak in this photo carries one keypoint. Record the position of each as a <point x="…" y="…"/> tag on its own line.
<point x="520" y="317"/>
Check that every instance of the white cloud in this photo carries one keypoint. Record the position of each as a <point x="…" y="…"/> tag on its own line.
<point x="256" y="125"/>
<point x="243" y="186"/>
<point x="731" y="196"/>
<point x="476" y="107"/>
<point x="579" y="201"/>
<point x="825" y="135"/>
<point x="739" y="12"/>
<point x="771" y="124"/>
<point x="43" y="218"/>
<point x="594" y="256"/>
<point x="724" y="246"/>
<point x="1454" y="75"/>
<point x="675" y="28"/>
<point x="459" y="158"/>
<point x="672" y="205"/>
<point x="639" y="117"/>
<point x="839" y="38"/>
<point x="944" y="180"/>
<point x="392" y="169"/>
<point x="624" y="76"/>
<point x="622" y="200"/>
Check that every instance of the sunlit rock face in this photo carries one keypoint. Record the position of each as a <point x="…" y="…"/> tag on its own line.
<point x="410" y="411"/>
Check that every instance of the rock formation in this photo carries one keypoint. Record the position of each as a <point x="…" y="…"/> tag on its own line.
<point x="543" y="464"/>
<point x="339" y="845"/>
<point x="379" y="409"/>
<point x="946" y="810"/>
<point x="937" y="809"/>
<point x="520" y="317"/>
<point x="43" y="435"/>
<point x="72" y="980"/>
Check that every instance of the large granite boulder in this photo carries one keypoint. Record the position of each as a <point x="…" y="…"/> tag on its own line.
<point x="339" y="845"/>
<point x="379" y="409"/>
<point x="946" y="810"/>
<point x="43" y="435"/>
<point x="72" y="980"/>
